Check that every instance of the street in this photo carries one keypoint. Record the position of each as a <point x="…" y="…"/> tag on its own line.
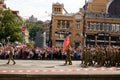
<point x="52" y="67"/>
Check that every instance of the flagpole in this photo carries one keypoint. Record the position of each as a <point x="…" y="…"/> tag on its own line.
<point x="84" y="25"/>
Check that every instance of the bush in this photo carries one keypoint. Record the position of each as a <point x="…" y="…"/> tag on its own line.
<point x="30" y="44"/>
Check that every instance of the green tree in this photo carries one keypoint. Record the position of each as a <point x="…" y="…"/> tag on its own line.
<point x="10" y="26"/>
<point x="33" y="28"/>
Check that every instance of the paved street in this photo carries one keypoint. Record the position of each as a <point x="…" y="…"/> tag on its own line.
<point x="52" y="67"/>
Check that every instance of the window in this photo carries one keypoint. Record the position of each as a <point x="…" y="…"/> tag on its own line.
<point x="88" y="26"/>
<point x="58" y="24"/>
<point x="77" y="25"/>
<point x="101" y="26"/>
<point x="117" y="28"/>
<point x="97" y="26"/>
<point x="59" y="9"/>
<point x="60" y="36"/>
<point x="67" y="24"/>
<point x="105" y="27"/>
<point x="63" y="24"/>
<point x="59" y="44"/>
<point x="113" y="27"/>
<point x="92" y="26"/>
<point x="110" y="27"/>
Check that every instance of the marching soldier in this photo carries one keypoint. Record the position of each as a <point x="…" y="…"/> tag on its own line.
<point x="83" y="56"/>
<point x="11" y="53"/>
<point x="89" y="58"/>
<point x="68" y="56"/>
<point x="118" y="52"/>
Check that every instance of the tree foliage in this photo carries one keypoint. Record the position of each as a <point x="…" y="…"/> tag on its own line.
<point x="33" y="28"/>
<point x="10" y="26"/>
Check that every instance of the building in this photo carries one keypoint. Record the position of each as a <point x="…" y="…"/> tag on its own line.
<point x="2" y="4"/>
<point x="46" y="29"/>
<point x="102" y="20"/>
<point x="67" y="23"/>
<point x="32" y="19"/>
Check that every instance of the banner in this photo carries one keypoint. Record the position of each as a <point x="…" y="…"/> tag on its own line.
<point x="66" y="43"/>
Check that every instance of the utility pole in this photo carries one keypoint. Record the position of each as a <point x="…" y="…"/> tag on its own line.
<point x="84" y="25"/>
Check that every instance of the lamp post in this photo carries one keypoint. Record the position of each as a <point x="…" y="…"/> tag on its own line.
<point x="84" y="25"/>
<point x="8" y="38"/>
<point x="23" y="33"/>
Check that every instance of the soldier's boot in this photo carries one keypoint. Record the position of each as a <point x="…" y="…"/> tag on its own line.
<point x="82" y="62"/>
<point x="65" y="62"/>
<point x="70" y="63"/>
<point x="8" y="61"/>
<point x="85" y="63"/>
<point x="14" y="63"/>
<point x="114" y="64"/>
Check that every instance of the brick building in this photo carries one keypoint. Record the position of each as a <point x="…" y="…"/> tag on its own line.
<point x="103" y="25"/>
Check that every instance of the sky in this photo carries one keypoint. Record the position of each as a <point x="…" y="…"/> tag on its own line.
<point x="42" y="9"/>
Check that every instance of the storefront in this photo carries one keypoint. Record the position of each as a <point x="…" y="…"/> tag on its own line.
<point x="103" y="39"/>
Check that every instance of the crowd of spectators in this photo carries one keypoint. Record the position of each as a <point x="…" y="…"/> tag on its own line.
<point x="46" y="53"/>
<point x="53" y="53"/>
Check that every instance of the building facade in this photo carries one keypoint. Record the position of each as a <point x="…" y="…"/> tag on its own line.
<point x="46" y="29"/>
<point x="2" y="4"/>
<point x="103" y="22"/>
<point x="103" y="25"/>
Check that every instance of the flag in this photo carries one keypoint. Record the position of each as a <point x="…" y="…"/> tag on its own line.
<point x="66" y="42"/>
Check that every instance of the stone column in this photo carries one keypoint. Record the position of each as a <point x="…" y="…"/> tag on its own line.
<point x="95" y="40"/>
<point x="109" y="40"/>
<point x="61" y="26"/>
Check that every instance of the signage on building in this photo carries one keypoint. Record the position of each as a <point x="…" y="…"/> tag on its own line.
<point x="23" y="28"/>
<point x="103" y="34"/>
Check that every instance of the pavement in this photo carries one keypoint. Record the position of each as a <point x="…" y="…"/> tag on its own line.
<point x="53" y="67"/>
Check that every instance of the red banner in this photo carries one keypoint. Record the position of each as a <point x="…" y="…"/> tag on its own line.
<point x="66" y="43"/>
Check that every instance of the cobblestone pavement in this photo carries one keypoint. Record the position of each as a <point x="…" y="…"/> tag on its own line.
<point x="52" y="67"/>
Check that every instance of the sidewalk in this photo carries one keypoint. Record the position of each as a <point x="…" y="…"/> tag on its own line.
<point x="52" y="67"/>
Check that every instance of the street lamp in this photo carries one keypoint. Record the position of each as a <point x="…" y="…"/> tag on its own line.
<point x="8" y="38"/>
<point x="84" y="25"/>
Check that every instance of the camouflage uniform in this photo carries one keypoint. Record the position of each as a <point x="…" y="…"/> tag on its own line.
<point x="102" y="57"/>
<point x="90" y="57"/>
<point x="118" y="57"/>
<point x="11" y="55"/>
<point x="68" y="56"/>
<point x="83" y="56"/>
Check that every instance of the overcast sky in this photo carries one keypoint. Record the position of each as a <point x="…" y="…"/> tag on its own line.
<point x="41" y="9"/>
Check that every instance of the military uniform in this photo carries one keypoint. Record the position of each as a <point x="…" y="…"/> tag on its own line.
<point x="11" y="55"/>
<point x="68" y="56"/>
<point x="83" y="56"/>
<point x="89" y="59"/>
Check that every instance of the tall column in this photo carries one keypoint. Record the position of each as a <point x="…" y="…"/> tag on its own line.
<point x="61" y="26"/>
<point x="95" y="40"/>
<point x="109" y="40"/>
<point x="66" y="24"/>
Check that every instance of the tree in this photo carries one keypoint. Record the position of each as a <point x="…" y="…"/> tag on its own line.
<point x="10" y="26"/>
<point x="33" y="28"/>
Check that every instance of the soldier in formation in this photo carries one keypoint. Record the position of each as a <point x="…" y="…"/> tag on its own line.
<point x="68" y="56"/>
<point x="102" y="56"/>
